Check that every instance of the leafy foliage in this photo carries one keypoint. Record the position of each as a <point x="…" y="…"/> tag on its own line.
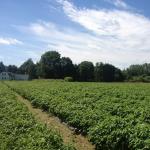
<point x="49" y="65"/>
<point x="2" y="67"/>
<point x="138" y="73"/>
<point x="86" y="71"/>
<point x="28" y="67"/>
<point x="114" y="116"/>
<point x="12" y="68"/>
<point x="53" y="66"/>
<point x="67" y="67"/>
<point x="107" y="73"/>
<point x="19" y="130"/>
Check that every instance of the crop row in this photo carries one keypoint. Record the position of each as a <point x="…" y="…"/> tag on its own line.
<point x="20" y="131"/>
<point x="114" y="116"/>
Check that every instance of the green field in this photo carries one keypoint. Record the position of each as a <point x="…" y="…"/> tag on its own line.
<point x="20" y="131"/>
<point x="115" y="116"/>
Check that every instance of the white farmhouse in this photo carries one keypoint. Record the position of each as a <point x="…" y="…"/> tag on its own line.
<point x="13" y="76"/>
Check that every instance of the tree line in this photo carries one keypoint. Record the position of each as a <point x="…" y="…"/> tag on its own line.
<point x="53" y="66"/>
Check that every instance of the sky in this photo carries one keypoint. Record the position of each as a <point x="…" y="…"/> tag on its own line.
<point x="109" y="31"/>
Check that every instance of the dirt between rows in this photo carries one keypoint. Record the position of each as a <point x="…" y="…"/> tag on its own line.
<point x="79" y="142"/>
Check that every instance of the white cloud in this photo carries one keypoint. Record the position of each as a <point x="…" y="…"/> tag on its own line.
<point x="124" y="31"/>
<point x="9" y="41"/>
<point x="114" y="36"/>
<point x="81" y="46"/>
<point x="108" y="22"/>
<point x="119" y="4"/>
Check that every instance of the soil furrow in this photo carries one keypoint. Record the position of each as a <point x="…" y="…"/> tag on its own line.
<point x="80" y="142"/>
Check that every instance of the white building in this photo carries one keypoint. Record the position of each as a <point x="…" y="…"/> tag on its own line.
<point x="13" y="76"/>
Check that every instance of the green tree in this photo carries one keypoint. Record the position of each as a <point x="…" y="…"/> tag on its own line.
<point x="28" y="67"/>
<point x="107" y="73"/>
<point x="86" y="71"/>
<point x="12" y="68"/>
<point x="76" y="75"/>
<point x="138" y="73"/>
<point x="2" y="67"/>
<point x="38" y="70"/>
<point x="67" y="67"/>
<point x="50" y="65"/>
<point x="119" y="76"/>
<point x="98" y="72"/>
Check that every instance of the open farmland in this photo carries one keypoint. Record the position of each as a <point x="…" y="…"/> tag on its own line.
<point x="114" y="116"/>
<point x="20" y="131"/>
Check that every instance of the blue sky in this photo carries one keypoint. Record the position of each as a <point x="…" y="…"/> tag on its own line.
<point x="111" y="31"/>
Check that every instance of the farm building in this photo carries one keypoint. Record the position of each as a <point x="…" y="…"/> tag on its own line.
<point x="13" y="76"/>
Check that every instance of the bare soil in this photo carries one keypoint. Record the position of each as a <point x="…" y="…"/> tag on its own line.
<point x="80" y="142"/>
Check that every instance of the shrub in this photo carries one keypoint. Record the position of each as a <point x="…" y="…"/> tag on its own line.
<point x="140" y="79"/>
<point x="68" y="79"/>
